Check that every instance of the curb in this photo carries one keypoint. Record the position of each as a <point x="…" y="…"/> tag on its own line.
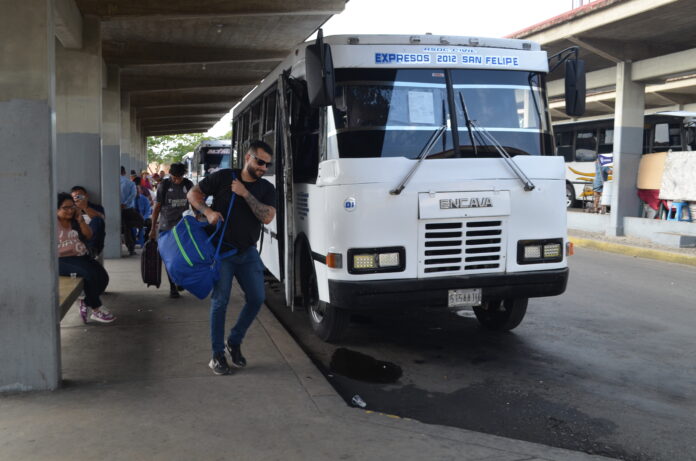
<point x="639" y="252"/>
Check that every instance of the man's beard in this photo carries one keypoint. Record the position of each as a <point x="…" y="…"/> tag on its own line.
<point x="252" y="172"/>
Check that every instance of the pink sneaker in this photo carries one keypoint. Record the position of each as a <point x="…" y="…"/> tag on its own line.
<point x="102" y="315"/>
<point x="83" y="310"/>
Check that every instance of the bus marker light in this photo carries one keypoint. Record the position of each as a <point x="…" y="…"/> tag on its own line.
<point x="570" y="249"/>
<point x="364" y="261"/>
<point x="552" y="250"/>
<point x="388" y="259"/>
<point x="532" y="252"/>
<point x="334" y="260"/>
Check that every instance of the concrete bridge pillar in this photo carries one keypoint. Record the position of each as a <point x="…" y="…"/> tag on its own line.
<point x="29" y="327"/>
<point x="628" y="147"/>
<point x="126" y="148"/>
<point x="111" y="161"/>
<point x="79" y="112"/>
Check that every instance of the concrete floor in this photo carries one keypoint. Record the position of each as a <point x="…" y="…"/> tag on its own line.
<point x="141" y="389"/>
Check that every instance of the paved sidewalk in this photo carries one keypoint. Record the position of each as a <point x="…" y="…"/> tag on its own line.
<point x="632" y="246"/>
<point x="140" y="389"/>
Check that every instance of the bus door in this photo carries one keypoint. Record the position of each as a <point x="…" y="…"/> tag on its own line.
<point x="285" y="218"/>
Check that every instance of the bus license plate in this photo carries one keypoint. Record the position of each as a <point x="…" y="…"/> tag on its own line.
<point x="464" y="297"/>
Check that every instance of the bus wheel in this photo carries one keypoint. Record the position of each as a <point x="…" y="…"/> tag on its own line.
<point x="570" y="196"/>
<point x="501" y="315"/>
<point x="328" y="322"/>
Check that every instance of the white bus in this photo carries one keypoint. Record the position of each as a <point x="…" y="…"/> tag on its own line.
<point x="210" y="155"/>
<point x="412" y="171"/>
<point x="581" y="142"/>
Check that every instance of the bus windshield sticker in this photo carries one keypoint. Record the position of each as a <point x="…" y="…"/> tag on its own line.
<point x="421" y="108"/>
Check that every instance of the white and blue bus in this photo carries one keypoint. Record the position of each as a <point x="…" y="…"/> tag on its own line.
<point x="210" y="155"/>
<point x="580" y="142"/>
<point x="412" y="171"/>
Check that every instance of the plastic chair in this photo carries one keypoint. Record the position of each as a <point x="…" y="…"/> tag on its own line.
<point x="675" y="212"/>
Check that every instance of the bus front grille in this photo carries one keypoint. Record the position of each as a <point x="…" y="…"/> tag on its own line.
<point x="461" y="247"/>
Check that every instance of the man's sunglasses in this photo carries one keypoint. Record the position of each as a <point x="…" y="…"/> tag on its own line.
<point x="260" y="162"/>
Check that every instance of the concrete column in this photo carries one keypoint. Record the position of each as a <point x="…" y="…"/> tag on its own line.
<point x="79" y="111"/>
<point x="125" y="131"/>
<point x="111" y="162"/>
<point x="628" y="147"/>
<point x="29" y="328"/>
<point x="135" y="136"/>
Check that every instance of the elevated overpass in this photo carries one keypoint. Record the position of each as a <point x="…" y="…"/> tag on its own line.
<point x="82" y="84"/>
<point x="639" y="57"/>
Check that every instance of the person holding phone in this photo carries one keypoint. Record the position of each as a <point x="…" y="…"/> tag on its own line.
<point x="93" y="215"/>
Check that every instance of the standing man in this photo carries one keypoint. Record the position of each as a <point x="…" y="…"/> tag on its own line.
<point x="170" y="204"/>
<point x="254" y="205"/>
<point x="130" y="217"/>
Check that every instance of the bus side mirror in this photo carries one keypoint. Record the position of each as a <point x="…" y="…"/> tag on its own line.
<point x="319" y="73"/>
<point x="575" y="88"/>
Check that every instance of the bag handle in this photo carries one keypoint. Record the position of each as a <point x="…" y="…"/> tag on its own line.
<point x="227" y="220"/>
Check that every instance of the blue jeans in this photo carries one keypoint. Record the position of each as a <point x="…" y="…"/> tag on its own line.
<point x="248" y="269"/>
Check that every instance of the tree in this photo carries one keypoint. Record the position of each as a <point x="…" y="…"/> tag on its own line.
<point x="169" y="149"/>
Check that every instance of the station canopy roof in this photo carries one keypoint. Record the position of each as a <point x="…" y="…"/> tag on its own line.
<point x="657" y="36"/>
<point x="186" y="63"/>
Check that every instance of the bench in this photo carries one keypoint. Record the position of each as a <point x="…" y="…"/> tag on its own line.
<point x="68" y="290"/>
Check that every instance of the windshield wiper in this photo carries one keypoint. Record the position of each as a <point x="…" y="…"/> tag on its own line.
<point x="424" y="153"/>
<point x="468" y="123"/>
<point x="490" y="139"/>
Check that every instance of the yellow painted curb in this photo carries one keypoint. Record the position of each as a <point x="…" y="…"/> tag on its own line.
<point x="628" y="250"/>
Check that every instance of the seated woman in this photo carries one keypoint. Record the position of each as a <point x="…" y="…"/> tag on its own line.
<point x="73" y="258"/>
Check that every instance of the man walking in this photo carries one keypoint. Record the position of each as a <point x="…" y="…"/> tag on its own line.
<point x="254" y="205"/>
<point x="170" y="205"/>
<point x="130" y="217"/>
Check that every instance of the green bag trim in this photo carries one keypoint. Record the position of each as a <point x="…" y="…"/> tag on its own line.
<point x="188" y="228"/>
<point x="181" y="248"/>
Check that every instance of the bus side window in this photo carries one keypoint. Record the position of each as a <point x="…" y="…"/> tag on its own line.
<point x="269" y="112"/>
<point x="255" y="123"/>
<point x="564" y="143"/>
<point x="304" y="131"/>
<point x="606" y="140"/>
<point x="235" y="144"/>
<point x="585" y="146"/>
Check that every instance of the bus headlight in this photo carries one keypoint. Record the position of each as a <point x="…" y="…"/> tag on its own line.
<point x="371" y="260"/>
<point x="539" y="251"/>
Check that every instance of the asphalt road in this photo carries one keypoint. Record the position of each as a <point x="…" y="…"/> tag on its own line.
<point x="607" y="368"/>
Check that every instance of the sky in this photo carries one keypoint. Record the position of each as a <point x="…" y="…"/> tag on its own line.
<point x="487" y="18"/>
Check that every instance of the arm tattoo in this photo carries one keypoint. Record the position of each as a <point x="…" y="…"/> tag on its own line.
<point x="260" y="210"/>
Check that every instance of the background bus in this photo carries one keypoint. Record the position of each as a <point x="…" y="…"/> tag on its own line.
<point x="211" y="155"/>
<point x="580" y="143"/>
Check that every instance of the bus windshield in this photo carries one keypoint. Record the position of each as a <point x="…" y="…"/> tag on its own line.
<point x="393" y="113"/>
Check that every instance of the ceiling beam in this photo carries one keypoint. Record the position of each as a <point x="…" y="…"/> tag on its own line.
<point x="174" y="131"/>
<point x="149" y="112"/>
<point x="194" y="9"/>
<point x="172" y="83"/>
<point x="68" y="23"/>
<point x="159" y="100"/>
<point x="206" y="116"/>
<point x="139" y="54"/>
<point x="584" y="43"/>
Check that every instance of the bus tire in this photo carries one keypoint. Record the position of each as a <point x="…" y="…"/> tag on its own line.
<point x="328" y="322"/>
<point x="571" y="201"/>
<point x="501" y="315"/>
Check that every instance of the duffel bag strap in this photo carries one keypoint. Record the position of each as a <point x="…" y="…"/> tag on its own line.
<point x="222" y="234"/>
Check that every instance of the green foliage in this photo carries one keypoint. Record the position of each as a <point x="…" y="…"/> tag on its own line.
<point x="169" y="149"/>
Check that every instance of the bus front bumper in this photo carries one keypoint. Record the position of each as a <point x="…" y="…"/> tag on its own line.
<point x="433" y="292"/>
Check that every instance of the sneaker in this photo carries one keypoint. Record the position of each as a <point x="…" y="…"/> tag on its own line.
<point x="102" y="315"/>
<point x="235" y="351"/>
<point x="219" y="365"/>
<point x="83" y="310"/>
<point x="174" y="294"/>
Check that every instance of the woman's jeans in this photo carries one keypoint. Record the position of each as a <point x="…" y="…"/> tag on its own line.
<point x="248" y="269"/>
<point x="95" y="277"/>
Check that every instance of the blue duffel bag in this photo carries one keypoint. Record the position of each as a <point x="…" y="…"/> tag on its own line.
<point x="189" y="255"/>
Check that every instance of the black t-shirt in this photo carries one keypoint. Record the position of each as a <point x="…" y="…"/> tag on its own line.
<point x="244" y="227"/>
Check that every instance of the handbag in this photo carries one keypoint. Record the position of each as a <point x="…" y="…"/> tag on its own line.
<point x="189" y="255"/>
